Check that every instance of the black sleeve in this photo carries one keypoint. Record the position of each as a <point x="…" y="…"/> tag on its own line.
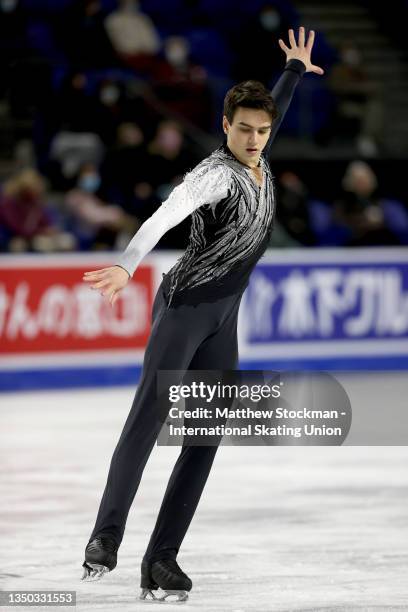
<point x="282" y="94"/>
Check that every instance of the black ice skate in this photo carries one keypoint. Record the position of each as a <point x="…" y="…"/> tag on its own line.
<point x="100" y="557"/>
<point x="167" y="576"/>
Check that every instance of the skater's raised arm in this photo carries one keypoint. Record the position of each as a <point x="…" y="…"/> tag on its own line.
<point x="198" y="188"/>
<point x="298" y="58"/>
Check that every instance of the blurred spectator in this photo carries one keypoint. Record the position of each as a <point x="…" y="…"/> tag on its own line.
<point x="124" y="171"/>
<point x="255" y="49"/>
<point x="69" y="150"/>
<point x="292" y="209"/>
<point x="181" y="84"/>
<point x="110" y="109"/>
<point x="26" y="222"/>
<point x="360" y="209"/>
<point x="169" y="158"/>
<point x="84" y="38"/>
<point x="133" y="35"/>
<point x="358" y="110"/>
<point x="96" y="224"/>
<point x="87" y="125"/>
<point x="76" y="107"/>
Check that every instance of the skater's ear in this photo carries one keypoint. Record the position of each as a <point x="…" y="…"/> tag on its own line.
<point x="225" y="124"/>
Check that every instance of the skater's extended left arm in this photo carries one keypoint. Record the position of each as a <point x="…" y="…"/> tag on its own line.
<point x="193" y="192"/>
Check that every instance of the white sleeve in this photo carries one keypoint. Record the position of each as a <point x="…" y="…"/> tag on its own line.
<point x="203" y="186"/>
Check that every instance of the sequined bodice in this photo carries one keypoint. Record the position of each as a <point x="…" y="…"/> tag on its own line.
<point x="228" y="235"/>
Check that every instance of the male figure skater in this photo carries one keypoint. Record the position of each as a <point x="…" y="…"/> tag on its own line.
<point x="231" y="198"/>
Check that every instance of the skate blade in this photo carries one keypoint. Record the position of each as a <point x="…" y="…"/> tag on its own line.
<point x="163" y="596"/>
<point x="93" y="572"/>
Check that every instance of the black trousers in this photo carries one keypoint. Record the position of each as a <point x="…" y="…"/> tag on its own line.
<point x="185" y="337"/>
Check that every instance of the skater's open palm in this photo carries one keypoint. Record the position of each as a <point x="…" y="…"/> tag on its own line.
<point x="109" y="281"/>
<point x="301" y="51"/>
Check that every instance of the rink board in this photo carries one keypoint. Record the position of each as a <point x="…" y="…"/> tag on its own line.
<point x="319" y="309"/>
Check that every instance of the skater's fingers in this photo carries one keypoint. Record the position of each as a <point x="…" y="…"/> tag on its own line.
<point x="292" y="38"/>
<point x="301" y="36"/>
<point x="310" y="40"/>
<point x="105" y="291"/>
<point x="114" y="297"/>
<point x="283" y="46"/>
<point x="92" y="276"/>
<point x="102" y="283"/>
<point x="101" y="272"/>
<point x="316" y="69"/>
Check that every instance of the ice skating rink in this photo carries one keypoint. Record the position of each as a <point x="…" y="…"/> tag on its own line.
<point x="277" y="529"/>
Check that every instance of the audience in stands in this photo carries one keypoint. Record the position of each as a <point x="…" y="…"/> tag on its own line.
<point x="133" y="36"/>
<point x="112" y="91"/>
<point x="292" y="211"/>
<point x="360" y="208"/>
<point x="84" y="38"/>
<point x="97" y="224"/>
<point x="254" y="45"/>
<point x="26" y="219"/>
<point x="182" y="85"/>
<point x="358" y="109"/>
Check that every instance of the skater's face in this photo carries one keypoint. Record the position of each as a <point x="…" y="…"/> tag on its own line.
<point x="248" y="134"/>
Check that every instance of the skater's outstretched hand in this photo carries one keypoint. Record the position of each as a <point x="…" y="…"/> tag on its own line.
<point x="300" y="50"/>
<point x="109" y="281"/>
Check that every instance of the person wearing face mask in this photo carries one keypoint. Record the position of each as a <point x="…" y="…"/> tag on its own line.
<point x="255" y="40"/>
<point x="110" y="107"/>
<point x="181" y="84"/>
<point x="96" y="223"/>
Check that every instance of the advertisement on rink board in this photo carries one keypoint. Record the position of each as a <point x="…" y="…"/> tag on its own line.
<point x="46" y="309"/>
<point x="298" y="305"/>
<point x="327" y="303"/>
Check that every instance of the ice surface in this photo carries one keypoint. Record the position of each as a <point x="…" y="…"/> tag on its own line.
<point x="277" y="529"/>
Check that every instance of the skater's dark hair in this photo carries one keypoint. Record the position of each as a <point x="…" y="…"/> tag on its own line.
<point x="249" y="94"/>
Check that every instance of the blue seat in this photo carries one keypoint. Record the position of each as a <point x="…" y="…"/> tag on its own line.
<point x="327" y="232"/>
<point x="396" y="218"/>
<point x="209" y="49"/>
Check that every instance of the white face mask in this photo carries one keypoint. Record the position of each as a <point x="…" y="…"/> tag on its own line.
<point x="352" y="57"/>
<point x="109" y="95"/>
<point x="8" y="6"/>
<point x="176" y="55"/>
<point x="270" y="20"/>
<point x="89" y="182"/>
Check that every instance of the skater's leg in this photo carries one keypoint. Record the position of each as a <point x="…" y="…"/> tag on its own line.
<point x="173" y="341"/>
<point x="193" y="465"/>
